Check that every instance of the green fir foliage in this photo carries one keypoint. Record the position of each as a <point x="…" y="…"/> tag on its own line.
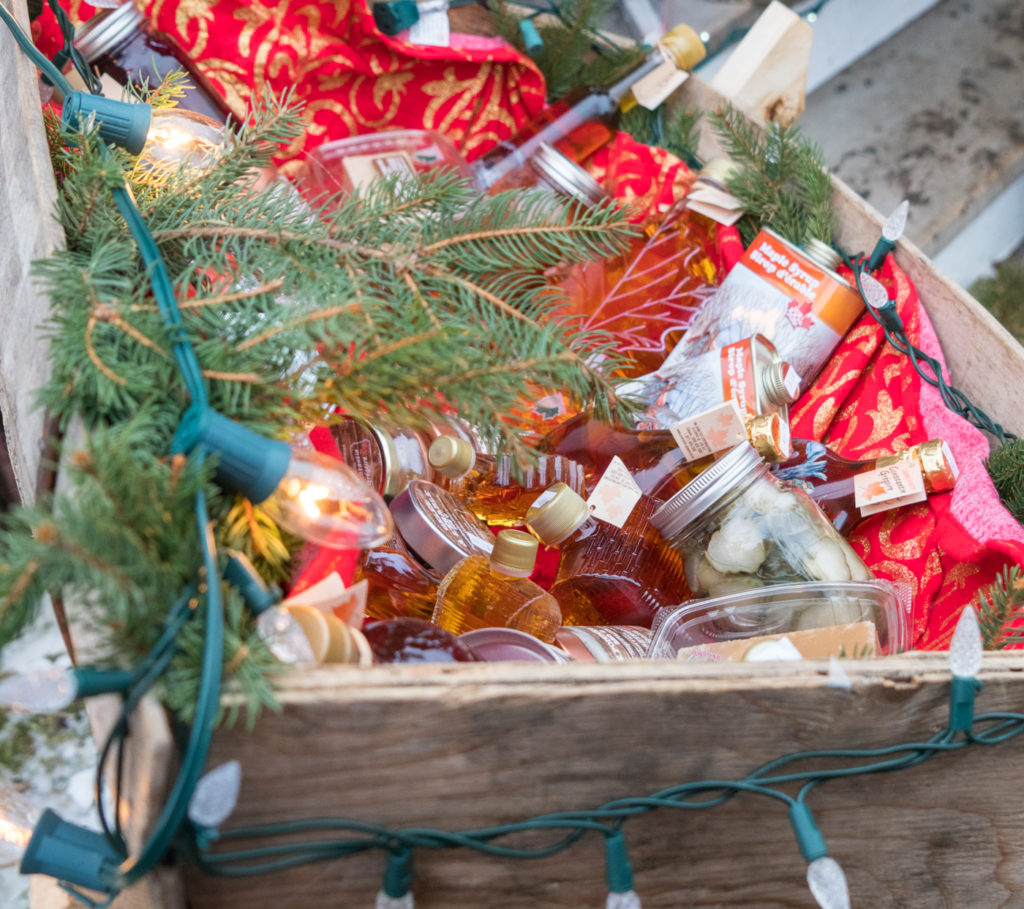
<point x="679" y="134"/>
<point x="1000" y="613"/>
<point x="1006" y="467"/>
<point x="1003" y="295"/>
<point x="781" y="179"/>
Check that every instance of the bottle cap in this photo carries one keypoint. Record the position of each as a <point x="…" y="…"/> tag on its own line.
<point x="776" y="387"/>
<point x="556" y="513"/>
<point x="938" y="466"/>
<point x="514" y="550"/>
<point x="770" y="436"/>
<point x="103" y="31"/>
<point x="821" y="253"/>
<point x="451" y="456"/>
<point x="682" y="45"/>
<point x="718" y="171"/>
<point x="566" y="176"/>
<point x="437" y="526"/>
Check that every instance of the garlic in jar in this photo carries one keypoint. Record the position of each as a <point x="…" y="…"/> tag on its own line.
<point x="737" y="546"/>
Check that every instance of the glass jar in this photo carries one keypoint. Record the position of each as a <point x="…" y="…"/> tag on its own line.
<point x="738" y="528"/>
<point x="125" y="47"/>
<point x="550" y="170"/>
<point x="386" y="455"/>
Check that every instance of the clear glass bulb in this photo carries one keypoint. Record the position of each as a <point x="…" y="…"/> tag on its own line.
<point x="896" y="223"/>
<point x="17" y="821"/>
<point x="874" y="291"/>
<point x="216" y="795"/>
<point x="323" y="500"/>
<point x="39" y="690"/>
<point x="285" y="637"/>
<point x="827" y="883"/>
<point x="393" y="902"/>
<point x="179" y="136"/>
<point x="627" y="900"/>
<point x="966" y="648"/>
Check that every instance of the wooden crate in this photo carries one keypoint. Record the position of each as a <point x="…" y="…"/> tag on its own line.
<point x="465" y="745"/>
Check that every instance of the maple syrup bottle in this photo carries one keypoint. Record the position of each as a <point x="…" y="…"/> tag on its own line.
<point x="652" y="456"/>
<point x="607" y="575"/>
<point x="486" y="485"/>
<point x="496" y="592"/>
<point x="828" y="477"/>
<point x="398" y="584"/>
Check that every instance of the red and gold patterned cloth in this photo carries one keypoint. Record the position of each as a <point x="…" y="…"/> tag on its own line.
<point x="867" y="403"/>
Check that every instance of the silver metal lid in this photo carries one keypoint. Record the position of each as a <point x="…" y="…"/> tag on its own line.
<point x="821" y="253"/>
<point x="104" y="30"/>
<point x="437" y="526"/>
<point x="510" y="645"/>
<point x="733" y="471"/>
<point x="566" y="175"/>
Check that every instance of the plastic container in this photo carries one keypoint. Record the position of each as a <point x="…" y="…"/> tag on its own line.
<point x="604" y="643"/>
<point x="855" y="619"/>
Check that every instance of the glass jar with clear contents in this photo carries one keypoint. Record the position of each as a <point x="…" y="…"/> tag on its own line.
<point x="738" y="527"/>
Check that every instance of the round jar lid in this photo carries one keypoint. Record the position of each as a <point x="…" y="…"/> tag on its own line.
<point x="556" y="513"/>
<point x="566" y="175"/>
<point x="514" y="550"/>
<point x="822" y="253"/>
<point x="104" y="30"/>
<point x="437" y="526"/>
<point x="701" y="493"/>
<point x="451" y="456"/>
<point x="682" y="45"/>
<point x="510" y="645"/>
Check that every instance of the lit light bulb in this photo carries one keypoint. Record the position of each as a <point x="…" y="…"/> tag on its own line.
<point x="874" y="291"/>
<point x="827" y="883"/>
<point x="966" y="648"/>
<point x="216" y="795"/>
<point x="627" y="900"/>
<point x="17" y="819"/>
<point x="178" y="136"/>
<point x="54" y="688"/>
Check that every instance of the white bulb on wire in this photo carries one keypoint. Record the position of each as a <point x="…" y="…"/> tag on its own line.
<point x="284" y="637"/>
<point x="874" y="291"/>
<point x="966" y="648"/>
<point x="405" y="901"/>
<point x="626" y="900"/>
<point x="216" y="795"/>
<point x="39" y="690"/>
<point x="178" y="136"/>
<point x="896" y="222"/>
<point x="17" y="820"/>
<point x="827" y="883"/>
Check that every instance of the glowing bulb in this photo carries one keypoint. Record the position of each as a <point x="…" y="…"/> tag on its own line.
<point x="284" y="637"/>
<point x="178" y="136"/>
<point x="705" y="37"/>
<point x="966" y="648"/>
<point x="39" y="690"/>
<point x="17" y="820"/>
<point x="896" y="223"/>
<point x="405" y="901"/>
<point x="216" y="795"/>
<point x="827" y="883"/>
<point x="627" y="900"/>
<point x="874" y="291"/>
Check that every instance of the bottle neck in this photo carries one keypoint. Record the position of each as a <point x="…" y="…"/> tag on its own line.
<point x="508" y="571"/>
<point x="620" y="89"/>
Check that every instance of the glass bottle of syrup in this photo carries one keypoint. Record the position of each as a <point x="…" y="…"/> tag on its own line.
<point x="581" y="122"/>
<point x="496" y="592"/>
<point x="607" y="575"/>
<point x="398" y="584"/>
<point x="828" y="478"/>
<point x="486" y="484"/>
<point x="652" y="456"/>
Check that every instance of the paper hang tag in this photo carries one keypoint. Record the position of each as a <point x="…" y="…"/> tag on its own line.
<point x="713" y="430"/>
<point x="615" y="495"/>
<point x="888" y="487"/>
<point x="433" y="28"/>
<point x="652" y="90"/>
<point x="791" y="380"/>
<point x="715" y="204"/>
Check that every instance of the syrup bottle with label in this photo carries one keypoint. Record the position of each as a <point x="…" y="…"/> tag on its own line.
<point x="487" y="485"/>
<point x="607" y="575"/>
<point x="398" y="584"/>
<point x="828" y="478"/>
<point x="496" y="592"/>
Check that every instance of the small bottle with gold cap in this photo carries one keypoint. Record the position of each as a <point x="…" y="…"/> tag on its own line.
<point x="828" y="478"/>
<point x="607" y="575"/>
<point x="496" y="592"/>
<point x="487" y="485"/>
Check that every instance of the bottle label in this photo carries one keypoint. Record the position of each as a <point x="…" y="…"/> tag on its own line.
<point x="714" y="430"/>
<point x="361" y="169"/>
<point x="652" y="90"/>
<point x="615" y="495"/>
<point x="888" y="487"/>
<point x="738" y="383"/>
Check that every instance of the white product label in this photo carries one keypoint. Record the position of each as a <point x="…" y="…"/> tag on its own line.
<point x="433" y="28"/>
<point x="362" y="169"/>
<point x="888" y="487"/>
<point x="615" y="495"/>
<point x="652" y="90"/>
<point x="715" y="204"/>
<point x="714" y="430"/>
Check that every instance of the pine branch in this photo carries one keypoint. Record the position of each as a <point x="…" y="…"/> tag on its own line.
<point x="1006" y="467"/>
<point x="1001" y="612"/>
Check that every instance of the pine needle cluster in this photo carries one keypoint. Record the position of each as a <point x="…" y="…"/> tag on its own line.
<point x="678" y="133"/>
<point x="1001" y="613"/>
<point x="414" y="298"/>
<point x="781" y="179"/>
<point x="1005" y="466"/>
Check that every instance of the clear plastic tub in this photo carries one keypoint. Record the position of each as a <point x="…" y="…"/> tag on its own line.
<point x="854" y="619"/>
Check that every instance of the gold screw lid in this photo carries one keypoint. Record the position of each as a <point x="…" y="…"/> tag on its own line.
<point x="451" y="456"/>
<point x="682" y="45"/>
<point x="938" y="466"/>
<point x="514" y="552"/>
<point x="770" y="436"/>
<point x="556" y="513"/>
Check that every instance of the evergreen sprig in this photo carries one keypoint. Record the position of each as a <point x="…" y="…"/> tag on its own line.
<point x="1005" y="466"/>
<point x="781" y="179"/>
<point x="679" y="135"/>
<point x="1001" y="612"/>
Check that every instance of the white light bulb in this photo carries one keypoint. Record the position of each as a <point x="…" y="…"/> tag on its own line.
<point x="874" y="291"/>
<point x="966" y="648"/>
<point x="285" y="637"/>
<point x="40" y="690"/>
<point x="627" y="900"/>
<point x="394" y="902"/>
<point x="828" y="883"/>
<point x="179" y="136"/>
<point x="17" y="821"/>
<point x="216" y="795"/>
<point x="323" y="500"/>
<point x="896" y="223"/>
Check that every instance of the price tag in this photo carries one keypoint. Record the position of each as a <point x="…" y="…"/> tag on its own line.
<point x="888" y="487"/>
<point x="615" y="495"/>
<point x="657" y="85"/>
<point x="432" y="29"/>
<point x="715" y="204"/>
<point x="711" y="431"/>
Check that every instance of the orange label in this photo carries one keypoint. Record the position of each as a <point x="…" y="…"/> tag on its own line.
<point x="738" y="376"/>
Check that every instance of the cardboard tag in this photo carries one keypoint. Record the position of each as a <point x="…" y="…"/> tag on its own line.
<point x="362" y="169"/>
<point x="888" y="487"/>
<point x="791" y="380"/>
<point x="716" y="204"/>
<point x="657" y="85"/>
<point x="615" y="495"/>
<point x="713" y="430"/>
<point x="433" y="28"/>
<point x="331" y="596"/>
